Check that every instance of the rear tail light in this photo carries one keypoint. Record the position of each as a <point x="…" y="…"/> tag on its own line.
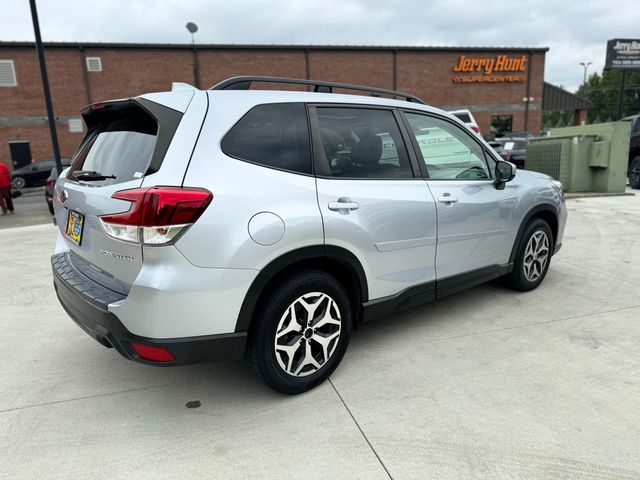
<point x="153" y="353"/>
<point x="50" y="182"/>
<point x="157" y="215"/>
<point x="475" y="129"/>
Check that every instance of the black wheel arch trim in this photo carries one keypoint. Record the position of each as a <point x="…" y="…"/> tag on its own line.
<point x="316" y="252"/>
<point x="543" y="207"/>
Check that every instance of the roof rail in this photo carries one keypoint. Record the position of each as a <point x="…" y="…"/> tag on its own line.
<point x="244" y="83"/>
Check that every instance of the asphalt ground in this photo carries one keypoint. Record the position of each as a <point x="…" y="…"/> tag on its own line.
<point x="485" y="384"/>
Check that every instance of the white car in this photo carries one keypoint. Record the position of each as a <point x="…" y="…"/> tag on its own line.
<point x="467" y="117"/>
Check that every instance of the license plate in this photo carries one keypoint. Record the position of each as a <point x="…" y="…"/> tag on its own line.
<point x="75" y="222"/>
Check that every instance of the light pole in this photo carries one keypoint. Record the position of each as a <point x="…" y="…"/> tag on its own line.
<point x="45" y="86"/>
<point x="585" y="66"/>
<point x="193" y="28"/>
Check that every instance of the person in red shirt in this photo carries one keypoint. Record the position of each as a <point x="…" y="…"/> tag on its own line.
<point x="6" y="203"/>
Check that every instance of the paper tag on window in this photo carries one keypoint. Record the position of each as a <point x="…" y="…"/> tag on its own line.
<point x="138" y="175"/>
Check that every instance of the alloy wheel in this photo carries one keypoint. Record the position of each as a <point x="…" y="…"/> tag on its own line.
<point x="536" y="255"/>
<point x="18" y="183"/>
<point x="307" y="334"/>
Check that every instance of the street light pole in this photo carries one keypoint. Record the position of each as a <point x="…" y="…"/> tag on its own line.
<point x="45" y="86"/>
<point x="193" y="28"/>
<point x="585" y="66"/>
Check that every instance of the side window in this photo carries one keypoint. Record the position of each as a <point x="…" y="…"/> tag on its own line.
<point x="362" y="143"/>
<point x="447" y="151"/>
<point x="273" y="135"/>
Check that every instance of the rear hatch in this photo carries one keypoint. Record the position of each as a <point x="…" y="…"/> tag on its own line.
<point x="126" y="140"/>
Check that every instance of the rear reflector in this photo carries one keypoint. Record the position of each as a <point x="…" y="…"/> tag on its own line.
<point x="157" y="214"/>
<point x="153" y="354"/>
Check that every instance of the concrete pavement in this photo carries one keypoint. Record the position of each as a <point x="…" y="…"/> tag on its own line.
<point x="30" y="209"/>
<point x="488" y="383"/>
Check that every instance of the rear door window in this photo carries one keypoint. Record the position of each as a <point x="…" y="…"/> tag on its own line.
<point x="272" y="135"/>
<point x="361" y="143"/>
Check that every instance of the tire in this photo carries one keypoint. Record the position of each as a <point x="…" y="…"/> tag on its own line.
<point x="531" y="263"/>
<point x="273" y="326"/>
<point x="634" y="172"/>
<point x="18" y="183"/>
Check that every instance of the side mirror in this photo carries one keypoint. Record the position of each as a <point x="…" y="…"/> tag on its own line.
<point x="505" y="172"/>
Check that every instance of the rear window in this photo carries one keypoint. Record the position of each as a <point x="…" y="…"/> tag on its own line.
<point x="120" y="144"/>
<point x="463" y="116"/>
<point x="272" y="135"/>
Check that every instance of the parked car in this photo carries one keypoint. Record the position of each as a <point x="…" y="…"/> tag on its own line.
<point x="634" y="152"/>
<point x="496" y="145"/>
<point x="34" y="174"/>
<point x="50" y="184"/>
<point x="522" y="134"/>
<point x="197" y="226"/>
<point x="514" y="150"/>
<point x="467" y="117"/>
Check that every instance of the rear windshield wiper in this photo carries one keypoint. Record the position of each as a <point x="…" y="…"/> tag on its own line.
<point x="91" y="176"/>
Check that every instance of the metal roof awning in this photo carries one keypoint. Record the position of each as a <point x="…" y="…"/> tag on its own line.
<point x="556" y="99"/>
<point x="205" y="46"/>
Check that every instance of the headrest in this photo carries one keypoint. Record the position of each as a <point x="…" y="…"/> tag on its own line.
<point x="367" y="151"/>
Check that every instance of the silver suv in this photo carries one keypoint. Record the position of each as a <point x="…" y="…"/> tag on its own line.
<point x="206" y="225"/>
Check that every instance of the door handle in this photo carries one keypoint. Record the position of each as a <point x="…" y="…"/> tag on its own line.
<point x="447" y="199"/>
<point x="344" y="205"/>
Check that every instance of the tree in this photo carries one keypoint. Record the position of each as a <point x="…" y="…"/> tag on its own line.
<point x="603" y="90"/>
<point x="557" y="119"/>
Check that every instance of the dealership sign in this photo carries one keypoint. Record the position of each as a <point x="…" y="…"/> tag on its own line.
<point x="623" y="54"/>
<point x="496" y="69"/>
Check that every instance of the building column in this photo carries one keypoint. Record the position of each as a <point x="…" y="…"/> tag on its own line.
<point x="580" y="117"/>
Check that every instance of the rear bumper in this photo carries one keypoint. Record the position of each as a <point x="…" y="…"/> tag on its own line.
<point x="86" y="303"/>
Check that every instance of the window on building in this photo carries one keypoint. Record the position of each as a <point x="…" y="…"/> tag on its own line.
<point x="94" y="64"/>
<point x="501" y="125"/>
<point x="362" y="143"/>
<point x="448" y="152"/>
<point x="7" y="74"/>
<point x="272" y="135"/>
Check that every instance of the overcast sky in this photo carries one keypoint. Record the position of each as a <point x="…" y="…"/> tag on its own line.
<point x="574" y="31"/>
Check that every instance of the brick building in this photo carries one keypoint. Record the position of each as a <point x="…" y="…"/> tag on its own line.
<point x="503" y="87"/>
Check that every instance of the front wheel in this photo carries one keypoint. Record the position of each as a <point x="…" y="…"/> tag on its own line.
<point x="300" y="333"/>
<point x="634" y="172"/>
<point x="532" y="257"/>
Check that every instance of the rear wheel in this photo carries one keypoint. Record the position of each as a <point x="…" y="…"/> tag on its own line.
<point x="634" y="172"/>
<point x="300" y="333"/>
<point x="532" y="257"/>
<point x="18" y="183"/>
